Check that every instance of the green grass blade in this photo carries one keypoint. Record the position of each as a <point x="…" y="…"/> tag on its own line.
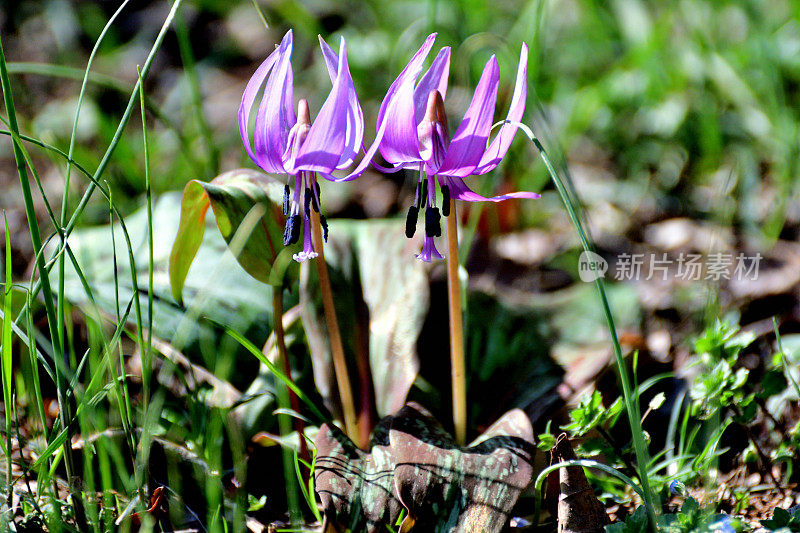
<point x="104" y="192"/>
<point x="123" y="122"/>
<point x="629" y="392"/>
<point x="147" y="349"/>
<point x="89" y="396"/>
<point x="672" y="427"/>
<point x="94" y="178"/>
<point x="260" y="14"/>
<point x="36" y="239"/>
<point x="250" y="347"/>
<point x="70" y="73"/>
<point x="61" y="302"/>
<point x="108" y="82"/>
<point x="123" y="394"/>
<point x="7" y="358"/>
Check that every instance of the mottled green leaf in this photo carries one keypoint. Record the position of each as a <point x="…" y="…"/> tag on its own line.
<point x="215" y="287"/>
<point x="245" y="204"/>
<point x="447" y="488"/>
<point x="414" y="463"/>
<point x="356" y="488"/>
<point x="191" y="229"/>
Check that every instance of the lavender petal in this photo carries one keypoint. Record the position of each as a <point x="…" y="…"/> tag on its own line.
<point x="500" y="144"/>
<point x="435" y="79"/>
<point x="469" y="142"/>
<point x="325" y="143"/>
<point x="460" y="191"/>
<point x="273" y="121"/>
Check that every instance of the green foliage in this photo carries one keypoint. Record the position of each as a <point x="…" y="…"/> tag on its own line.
<point x="635" y="523"/>
<point x="545" y="441"/>
<point x="591" y="414"/>
<point x="719" y="384"/>
<point x="667" y="115"/>
<point x="783" y="520"/>
<point x="690" y="519"/>
<point x="245" y="205"/>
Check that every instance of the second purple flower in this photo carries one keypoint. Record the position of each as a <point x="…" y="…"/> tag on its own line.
<point x="415" y="136"/>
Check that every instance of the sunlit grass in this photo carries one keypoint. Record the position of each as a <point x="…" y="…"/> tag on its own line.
<point x="664" y="98"/>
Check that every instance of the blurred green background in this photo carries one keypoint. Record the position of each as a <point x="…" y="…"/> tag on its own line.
<point x="677" y="121"/>
<point x="678" y="108"/>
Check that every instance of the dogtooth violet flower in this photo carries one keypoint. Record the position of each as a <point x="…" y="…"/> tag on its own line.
<point x="413" y="134"/>
<point x="291" y="144"/>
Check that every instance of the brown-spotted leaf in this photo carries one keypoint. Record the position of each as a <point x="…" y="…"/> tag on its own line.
<point x="417" y="465"/>
<point x="450" y="489"/>
<point x="245" y="205"/>
<point x="355" y="487"/>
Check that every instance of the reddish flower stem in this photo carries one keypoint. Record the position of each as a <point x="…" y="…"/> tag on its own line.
<point x="457" y="365"/>
<point x="337" y="351"/>
<point x="283" y="360"/>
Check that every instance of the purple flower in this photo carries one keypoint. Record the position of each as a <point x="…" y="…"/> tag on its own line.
<point x="285" y="143"/>
<point x="412" y="133"/>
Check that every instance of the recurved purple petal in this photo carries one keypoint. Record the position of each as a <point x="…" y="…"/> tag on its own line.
<point x="355" y="116"/>
<point x="325" y="143"/>
<point x="500" y="144"/>
<point x="460" y="191"/>
<point x="411" y="71"/>
<point x="331" y="59"/>
<point x="435" y="79"/>
<point x="365" y="161"/>
<point x="399" y="143"/>
<point x="274" y="118"/>
<point x="249" y="97"/>
<point x="469" y="142"/>
<point x="405" y="80"/>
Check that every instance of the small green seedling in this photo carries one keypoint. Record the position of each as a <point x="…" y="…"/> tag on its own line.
<point x="783" y="520"/>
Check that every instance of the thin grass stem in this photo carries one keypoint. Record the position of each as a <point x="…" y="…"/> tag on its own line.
<point x="108" y="82"/>
<point x="250" y="347"/>
<point x="629" y="394"/>
<point x="457" y="363"/>
<point x="123" y="399"/>
<point x="337" y="350"/>
<point x="61" y="302"/>
<point x="147" y="349"/>
<point x="7" y="357"/>
<point x="40" y="284"/>
<point x="260" y="14"/>
<point x="36" y="239"/>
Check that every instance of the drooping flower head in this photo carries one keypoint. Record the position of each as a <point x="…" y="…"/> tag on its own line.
<point x="287" y="143"/>
<point x="415" y="136"/>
